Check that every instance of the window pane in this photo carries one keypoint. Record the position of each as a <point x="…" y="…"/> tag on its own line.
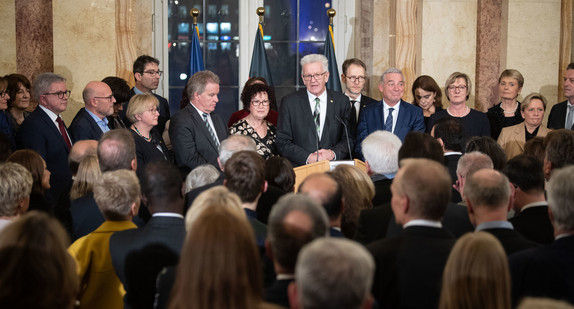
<point x="283" y="62"/>
<point x="313" y="20"/>
<point x="223" y="60"/>
<point x="227" y="104"/>
<point x="280" y="20"/>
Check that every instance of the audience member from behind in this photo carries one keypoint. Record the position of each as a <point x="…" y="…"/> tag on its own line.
<point x="358" y="193"/>
<point x="450" y="134"/>
<point x="18" y="89"/>
<point x="421" y="192"/>
<point x="490" y="147"/>
<point x="15" y="188"/>
<point x="294" y="221"/>
<point x="559" y="150"/>
<point x="34" y="163"/>
<point x="117" y="194"/>
<point x="507" y="112"/>
<point x="91" y="121"/>
<point x="138" y="255"/>
<point x="529" y="202"/>
<point x="37" y="272"/>
<point x="536" y="148"/>
<point x="81" y="150"/>
<point x="476" y="274"/>
<point x="201" y="176"/>
<point x="427" y="95"/>
<point x="487" y="193"/>
<point x="469" y="163"/>
<point x="548" y="271"/>
<point x="325" y="190"/>
<point x="88" y="173"/>
<point x="333" y="273"/>
<point x="121" y="92"/>
<point x="219" y="265"/>
<point x="240" y="114"/>
<point x="279" y="173"/>
<point x="421" y="145"/>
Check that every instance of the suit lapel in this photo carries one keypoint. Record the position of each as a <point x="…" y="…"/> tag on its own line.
<point x="519" y="135"/>
<point x="400" y="117"/>
<point x="55" y="131"/>
<point x="329" y="117"/>
<point x="93" y="123"/>
<point x="200" y="124"/>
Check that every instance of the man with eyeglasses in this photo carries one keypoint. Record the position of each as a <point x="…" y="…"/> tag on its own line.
<point x="392" y="114"/>
<point x="147" y="74"/>
<point x="312" y="122"/>
<point x="91" y="121"/>
<point x="45" y="132"/>
<point x="354" y="78"/>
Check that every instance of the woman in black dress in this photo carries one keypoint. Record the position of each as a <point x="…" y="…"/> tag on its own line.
<point x="507" y="112"/>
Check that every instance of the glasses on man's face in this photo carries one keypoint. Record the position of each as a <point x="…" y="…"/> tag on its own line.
<point x="355" y="79"/>
<point x="313" y="76"/>
<point x="259" y="103"/>
<point x="455" y="88"/>
<point x="61" y="94"/>
<point x="109" y="98"/>
<point x="153" y="73"/>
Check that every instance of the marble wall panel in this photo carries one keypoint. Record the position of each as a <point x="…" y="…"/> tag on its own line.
<point x="8" y="35"/>
<point x="382" y="37"/>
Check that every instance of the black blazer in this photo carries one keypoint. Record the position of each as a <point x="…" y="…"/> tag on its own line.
<point x="382" y="191"/>
<point x="85" y="127"/>
<point x="147" y="152"/>
<point x="409" y="267"/>
<point x="296" y="134"/>
<point x="164" y="112"/>
<point x="277" y="293"/>
<point x="534" y="223"/>
<point x="40" y="134"/>
<point x="557" y="117"/>
<point x="511" y="240"/>
<point x="191" y="141"/>
<point x="138" y="255"/>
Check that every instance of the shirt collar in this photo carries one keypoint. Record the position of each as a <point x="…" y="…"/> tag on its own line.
<point x="322" y="96"/>
<point x="50" y="113"/>
<point x="358" y="99"/>
<point x="494" y="225"/>
<point x="423" y="222"/>
<point x="167" y="214"/>
<point x="96" y="118"/>
<point x="535" y="204"/>
<point x="137" y="91"/>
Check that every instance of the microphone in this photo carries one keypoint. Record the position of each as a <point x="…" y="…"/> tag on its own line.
<point x="317" y="136"/>
<point x="346" y="135"/>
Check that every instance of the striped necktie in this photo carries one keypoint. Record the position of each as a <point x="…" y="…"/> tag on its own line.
<point x="317" y="116"/>
<point x="210" y="130"/>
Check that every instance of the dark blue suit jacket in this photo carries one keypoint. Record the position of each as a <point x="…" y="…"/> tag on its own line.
<point x="557" y="117"/>
<point x="85" y="127"/>
<point x="39" y="133"/>
<point x="371" y="119"/>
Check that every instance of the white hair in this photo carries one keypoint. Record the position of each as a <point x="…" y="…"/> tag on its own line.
<point x="312" y="58"/>
<point x="560" y="197"/>
<point x="381" y="151"/>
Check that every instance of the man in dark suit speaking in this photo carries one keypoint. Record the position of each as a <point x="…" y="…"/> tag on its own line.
<point x="310" y="126"/>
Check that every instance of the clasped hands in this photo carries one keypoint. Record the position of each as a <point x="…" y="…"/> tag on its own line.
<point x="324" y="154"/>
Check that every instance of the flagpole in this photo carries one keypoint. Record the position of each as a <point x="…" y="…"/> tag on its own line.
<point x="334" y="83"/>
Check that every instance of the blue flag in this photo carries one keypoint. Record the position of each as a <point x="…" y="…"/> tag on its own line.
<point x="195" y="55"/>
<point x="259" y="64"/>
<point x="334" y="83"/>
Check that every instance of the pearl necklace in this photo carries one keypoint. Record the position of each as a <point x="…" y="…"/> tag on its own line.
<point x="511" y="112"/>
<point x="466" y="111"/>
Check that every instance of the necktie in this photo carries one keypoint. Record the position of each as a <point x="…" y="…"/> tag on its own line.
<point x="389" y="121"/>
<point x="210" y="130"/>
<point x="317" y="116"/>
<point x="570" y="117"/>
<point x="62" y="128"/>
<point x="354" y="112"/>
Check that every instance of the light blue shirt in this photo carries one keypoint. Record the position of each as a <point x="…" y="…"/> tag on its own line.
<point x="494" y="225"/>
<point x="102" y="123"/>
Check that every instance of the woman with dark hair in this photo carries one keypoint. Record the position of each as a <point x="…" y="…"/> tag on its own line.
<point x="36" y="165"/>
<point x="428" y="96"/>
<point x="240" y="114"/>
<point x="256" y="100"/>
<point x="279" y="173"/>
<point x="19" y="91"/>
<point x="507" y="112"/>
<point x="121" y="91"/>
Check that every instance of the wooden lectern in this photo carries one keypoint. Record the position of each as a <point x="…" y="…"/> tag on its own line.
<point x="303" y="171"/>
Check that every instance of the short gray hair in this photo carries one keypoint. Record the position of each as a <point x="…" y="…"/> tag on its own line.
<point x="43" y="82"/>
<point x="312" y="58"/>
<point x="201" y="176"/>
<point x="233" y="144"/>
<point x="199" y="80"/>
<point x="115" y="192"/>
<point x="560" y="197"/>
<point x="15" y="185"/>
<point x="381" y="150"/>
<point x="391" y="71"/>
<point x="489" y="188"/>
<point x="334" y="273"/>
<point x="471" y="162"/>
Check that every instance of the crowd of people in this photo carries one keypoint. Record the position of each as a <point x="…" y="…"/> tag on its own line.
<point x="132" y="207"/>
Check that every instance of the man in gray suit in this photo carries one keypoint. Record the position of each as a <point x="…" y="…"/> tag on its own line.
<point x="195" y="132"/>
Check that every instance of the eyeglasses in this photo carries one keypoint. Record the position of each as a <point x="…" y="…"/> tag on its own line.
<point x="315" y="76"/>
<point x="61" y="94"/>
<point x="454" y="88"/>
<point x="259" y="103"/>
<point x="3" y="92"/>
<point x="153" y="73"/>
<point x="355" y="79"/>
<point x="109" y="98"/>
<point x="153" y="110"/>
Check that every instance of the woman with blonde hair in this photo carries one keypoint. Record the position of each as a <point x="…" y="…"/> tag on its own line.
<point x="358" y="192"/>
<point x="476" y="274"/>
<point x="88" y="173"/>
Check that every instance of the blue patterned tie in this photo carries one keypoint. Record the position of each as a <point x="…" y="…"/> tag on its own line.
<point x="210" y="130"/>
<point x="389" y="121"/>
<point x="317" y="116"/>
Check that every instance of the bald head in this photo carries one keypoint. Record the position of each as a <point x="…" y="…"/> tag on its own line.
<point x="80" y="150"/>
<point x="325" y="190"/>
<point x="487" y="188"/>
<point x="96" y="100"/>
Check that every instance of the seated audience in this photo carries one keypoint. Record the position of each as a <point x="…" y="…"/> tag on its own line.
<point x="333" y="273"/>
<point x="201" y="176"/>
<point x="88" y="174"/>
<point x="117" y="195"/>
<point x="490" y="147"/>
<point x="34" y="163"/>
<point x="279" y="173"/>
<point x="18" y="89"/>
<point x="507" y="112"/>
<point x="513" y="138"/>
<point x="15" y="187"/>
<point x="37" y="272"/>
<point x="476" y="274"/>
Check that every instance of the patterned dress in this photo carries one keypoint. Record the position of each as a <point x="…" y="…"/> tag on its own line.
<point x="266" y="145"/>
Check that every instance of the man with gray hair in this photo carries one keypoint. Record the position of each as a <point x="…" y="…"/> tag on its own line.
<point x="392" y="114"/>
<point x="487" y="193"/>
<point x="315" y="124"/>
<point x="332" y="273"/>
<point x="549" y="271"/>
<point x="469" y="163"/>
<point x="15" y="188"/>
<point x="294" y="221"/>
<point x="195" y="132"/>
